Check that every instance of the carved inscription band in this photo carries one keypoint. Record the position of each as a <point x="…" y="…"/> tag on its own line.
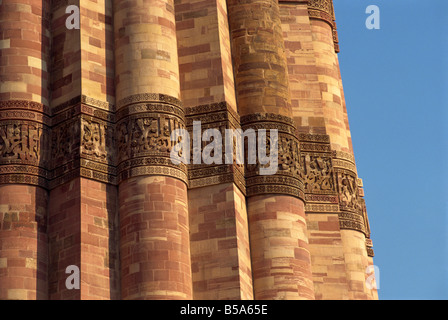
<point x="88" y="138"/>
<point x="323" y="10"/>
<point x="24" y="140"/>
<point x="214" y="116"/>
<point x="143" y="133"/>
<point x="288" y="176"/>
<point x="331" y="184"/>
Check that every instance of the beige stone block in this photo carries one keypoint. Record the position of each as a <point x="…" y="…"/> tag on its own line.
<point x="23" y="7"/>
<point x="31" y="263"/>
<point x="133" y="268"/>
<point x="3" y="262"/>
<point x="283" y="215"/>
<point x="17" y="294"/>
<point x="5" y="44"/>
<point x="279" y="253"/>
<point x="39" y="99"/>
<point x="204" y="246"/>
<point x="10" y="86"/>
<point x="265" y="282"/>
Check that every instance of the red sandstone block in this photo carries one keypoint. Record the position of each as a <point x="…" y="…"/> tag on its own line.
<point x="29" y="284"/>
<point x="302" y="254"/>
<point x="221" y="233"/>
<point x="328" y="226"/>
<point x="149" y="266"/>
<point x="182" y="220"/>
<point x="158" y="255"/>
<point x="87" y="238"/>
<point x="27" y="254"/>
<point x="321" y="241"/>
<point x="227" y="244"/>
<point x="19" y="43"/>
<point x="137" y="257"/>
<point x="135" y="227"/>
<point x="171" y="265"/>
<point x="154" y="188"/>
<point x="262" y="216"/>
<point x="155" y="197"/>
<point x="162" y="206"/>
<point x="186" y="24"/>
<point x="95" y="42"/>
<point x="186" y="51"/>
<point x="161" y="275"/>
<point x="97" y="230"/>
<point x="198" y="236"/>
<point x="92" y="202"/>
<point x="207" y="226"/>
<point x="22" y="272"/>
<point x="13" y="282"/>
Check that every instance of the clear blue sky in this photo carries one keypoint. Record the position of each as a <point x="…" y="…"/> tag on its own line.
<point x="396" y="86"/>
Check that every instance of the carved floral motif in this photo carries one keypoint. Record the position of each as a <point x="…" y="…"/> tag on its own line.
<point x="146" y="134"/>
<point x="318" y="173"/>
<point x="324" y="5"/>
<point x="21" y="141"/>
<point x="348" y="192"/>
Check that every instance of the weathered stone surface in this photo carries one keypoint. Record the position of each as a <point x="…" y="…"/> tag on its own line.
<point x="86" y="177"/>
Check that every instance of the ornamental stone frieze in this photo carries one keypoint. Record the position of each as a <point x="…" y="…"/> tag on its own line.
<point x="143" y="135"/>
<point x="82" y="141"/>
<point x="331" y="184"/>
<point x="287" y="174"/>
<point x="222" y="117"/>
<point x="24" y="142"/>
<point x="324" y="10"/>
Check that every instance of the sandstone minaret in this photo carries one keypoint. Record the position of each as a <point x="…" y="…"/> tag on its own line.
<point x="281" y="264"/>
<point x="24" y="132"/>
<point x="86" y="178"/>
<point x="338" y="228"/>
<point x="152" y="193"/>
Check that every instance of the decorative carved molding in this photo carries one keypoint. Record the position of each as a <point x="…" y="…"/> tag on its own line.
<point x="321" y="208"/>
<point x="322" y="5"/>
<point x="28" y="115"/>
<point x="24" y="140"/>
<point x="349" y="199"/>
<point x="369" y="248"/>
<point x="97" y="140"/>
<point x="331" y="183"/>
<point x="24" y="105"/>
<point x="324" y="10"/>
<point x="289" y="176"/>
<point x="149" y="97"/>
<point x="318" y="175"/>
<point x="82" y="140"/>
<point x="352" y="215"/>
<point x="143" y="136"/>
<point x="82" y="146"/>
<point x="219" y="116"/>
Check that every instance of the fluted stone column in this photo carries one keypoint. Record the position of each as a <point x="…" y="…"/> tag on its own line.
<point x="337" y="221"/>
<point x="155" y="254"/>
<point x="24" y="132"/>
<point x="352" y="216"/>
<point x="279" y="245"/>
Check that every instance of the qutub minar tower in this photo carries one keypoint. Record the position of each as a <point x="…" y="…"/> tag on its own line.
<point x="86" y="178"/>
